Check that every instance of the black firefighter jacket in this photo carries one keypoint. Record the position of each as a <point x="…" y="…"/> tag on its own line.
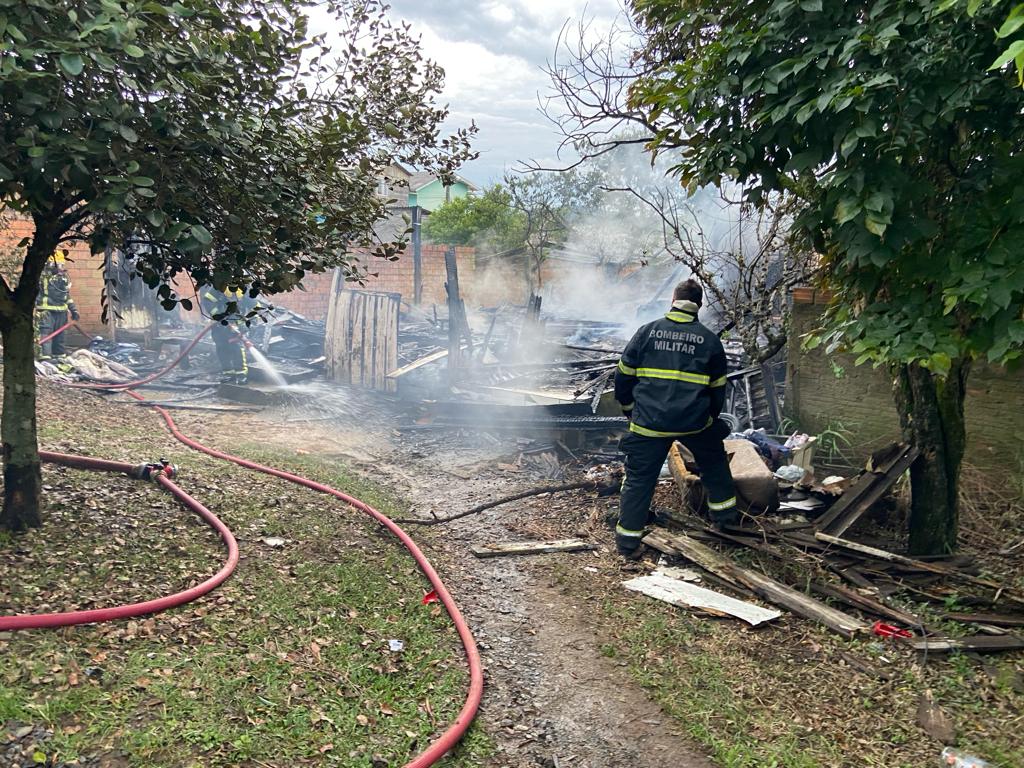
<point x="671" y="378"/>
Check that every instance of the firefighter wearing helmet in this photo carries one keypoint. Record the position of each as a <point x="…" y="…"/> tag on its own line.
<point x="53" y="303"/>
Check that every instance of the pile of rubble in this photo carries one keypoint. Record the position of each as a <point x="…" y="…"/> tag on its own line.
<point x="800" y="523"/>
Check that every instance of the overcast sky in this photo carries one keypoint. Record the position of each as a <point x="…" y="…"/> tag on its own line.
<point x="493" y="54"/>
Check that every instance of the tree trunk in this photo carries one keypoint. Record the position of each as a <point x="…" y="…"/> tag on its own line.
<point x="22" y="475"/>
<point x="932" y="413"/>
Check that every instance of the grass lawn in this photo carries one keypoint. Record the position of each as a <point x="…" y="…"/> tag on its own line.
<point x="316" y="652"/>
<point x="791" y="694"/>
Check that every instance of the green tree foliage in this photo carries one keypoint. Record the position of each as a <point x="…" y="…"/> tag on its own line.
<point x="529" y="214"/>
<point x="551" y="204"/>
<point x="905" y="154"/>
<point x="1009" y="31"/>
<point x="223" y="137"/>
<point x="487" y="221"/>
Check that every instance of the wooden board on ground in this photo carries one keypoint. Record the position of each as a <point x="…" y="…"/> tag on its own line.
<point x="997" y="619"/>
<point x="885" y="468"/>
<point x="977" y="643"/>
<point x="936" y="568"/>
<point x="425" y="360"/>
<point x="501" y="549"/>
<point x="761" y="585"/>
<point x="684" y="595"/>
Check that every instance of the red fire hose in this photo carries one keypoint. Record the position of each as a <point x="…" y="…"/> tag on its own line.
<point x="437" y="749"/>
<point x="457" y="729"/>
<point x="63" y="328"/>
<point x="39" y="620"/>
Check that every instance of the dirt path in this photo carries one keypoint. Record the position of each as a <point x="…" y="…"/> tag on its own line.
<point x="551" y="697"/>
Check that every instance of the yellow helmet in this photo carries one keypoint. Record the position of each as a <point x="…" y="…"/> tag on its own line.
<point x="58" y="257"/>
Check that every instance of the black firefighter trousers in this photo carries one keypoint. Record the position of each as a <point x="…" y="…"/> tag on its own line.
<point x="230" y="350"/>
<point x="645" y="457"/>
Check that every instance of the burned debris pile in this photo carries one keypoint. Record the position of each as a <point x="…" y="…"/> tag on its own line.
<point x="850" y="586"/>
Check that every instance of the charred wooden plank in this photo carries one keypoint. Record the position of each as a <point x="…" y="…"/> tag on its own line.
<point x="935" y="568"/>
<point x="761" y="585"/>
<point x="996" y="619"/>
<point x="500" y="549"/>
<point x="867" y="491"/>
<point x="976" y="643"/>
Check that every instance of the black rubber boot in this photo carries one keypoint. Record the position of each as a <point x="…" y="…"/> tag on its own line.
<point x="660" y="517"/>
<point x="632" y="555"/>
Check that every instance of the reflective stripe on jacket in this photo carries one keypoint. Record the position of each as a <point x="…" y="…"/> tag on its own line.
<point x="216" y="302"/>
<point x="54" y="292"/>
<point x="672" y="375"/>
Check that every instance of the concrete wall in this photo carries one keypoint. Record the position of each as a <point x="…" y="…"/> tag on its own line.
<point x="823" y="390"/>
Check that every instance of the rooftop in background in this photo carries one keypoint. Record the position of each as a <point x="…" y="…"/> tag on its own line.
<point x="411" y="188"/>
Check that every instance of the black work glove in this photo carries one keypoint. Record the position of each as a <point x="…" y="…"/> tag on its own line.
<point x="74" y="314"/>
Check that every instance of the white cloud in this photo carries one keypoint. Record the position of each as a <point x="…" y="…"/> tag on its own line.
<point x="493" y="53"/>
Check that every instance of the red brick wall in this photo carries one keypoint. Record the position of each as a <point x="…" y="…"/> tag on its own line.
<point x="86" y="273"/>
<point x="311" y="302"/>
<point x="85" y="270"/>
<point x="397" y="276"/>
<point x="386" y="277"/>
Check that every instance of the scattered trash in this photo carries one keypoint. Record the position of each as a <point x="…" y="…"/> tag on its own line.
<point x="50" y="371"/>
<point x="119" y="352"/>
<point x="797" y="440"/>
<point x="431" y="597"/>
<point x="957" y="759"/>
<point x="273" y="541"/>
<point x="85" y="364"/>
<point x="888" y="630"/>
<point x="790" y="473"/>
<point x="396" y="646"/>
<point x="774" y="452"/>
<point x="661" y="586"/>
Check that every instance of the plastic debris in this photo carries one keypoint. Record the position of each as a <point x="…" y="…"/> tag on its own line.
<point x="888" y="630"/>
<point x="396" y="646"/>
<point x="431" y="597"/>
<point x="797" y="440"/>
<point x="790" y="473"/>
<point x="957" y="759"/>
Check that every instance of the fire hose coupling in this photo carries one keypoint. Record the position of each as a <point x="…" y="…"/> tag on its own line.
<point x="155" y="470"/>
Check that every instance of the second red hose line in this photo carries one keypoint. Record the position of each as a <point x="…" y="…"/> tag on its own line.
<point x="457" y="729"/>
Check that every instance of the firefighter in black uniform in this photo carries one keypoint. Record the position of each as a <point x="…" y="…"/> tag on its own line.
<point x="234" y="364"/>
<point x="671" y="385"/>
<point x="53" y="303"/>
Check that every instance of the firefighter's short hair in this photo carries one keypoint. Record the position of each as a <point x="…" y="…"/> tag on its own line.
<point x="689" y="290"/>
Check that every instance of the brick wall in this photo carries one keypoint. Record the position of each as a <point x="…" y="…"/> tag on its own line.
<point x="860" y="398"/>
<point x="311" y="302"/>
<point x="387" y="277"/>
<point x="86" y="273"/>
<point x="84" y="269"/>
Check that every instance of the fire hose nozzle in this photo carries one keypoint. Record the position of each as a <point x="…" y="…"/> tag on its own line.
<point x="154" y="470"/>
